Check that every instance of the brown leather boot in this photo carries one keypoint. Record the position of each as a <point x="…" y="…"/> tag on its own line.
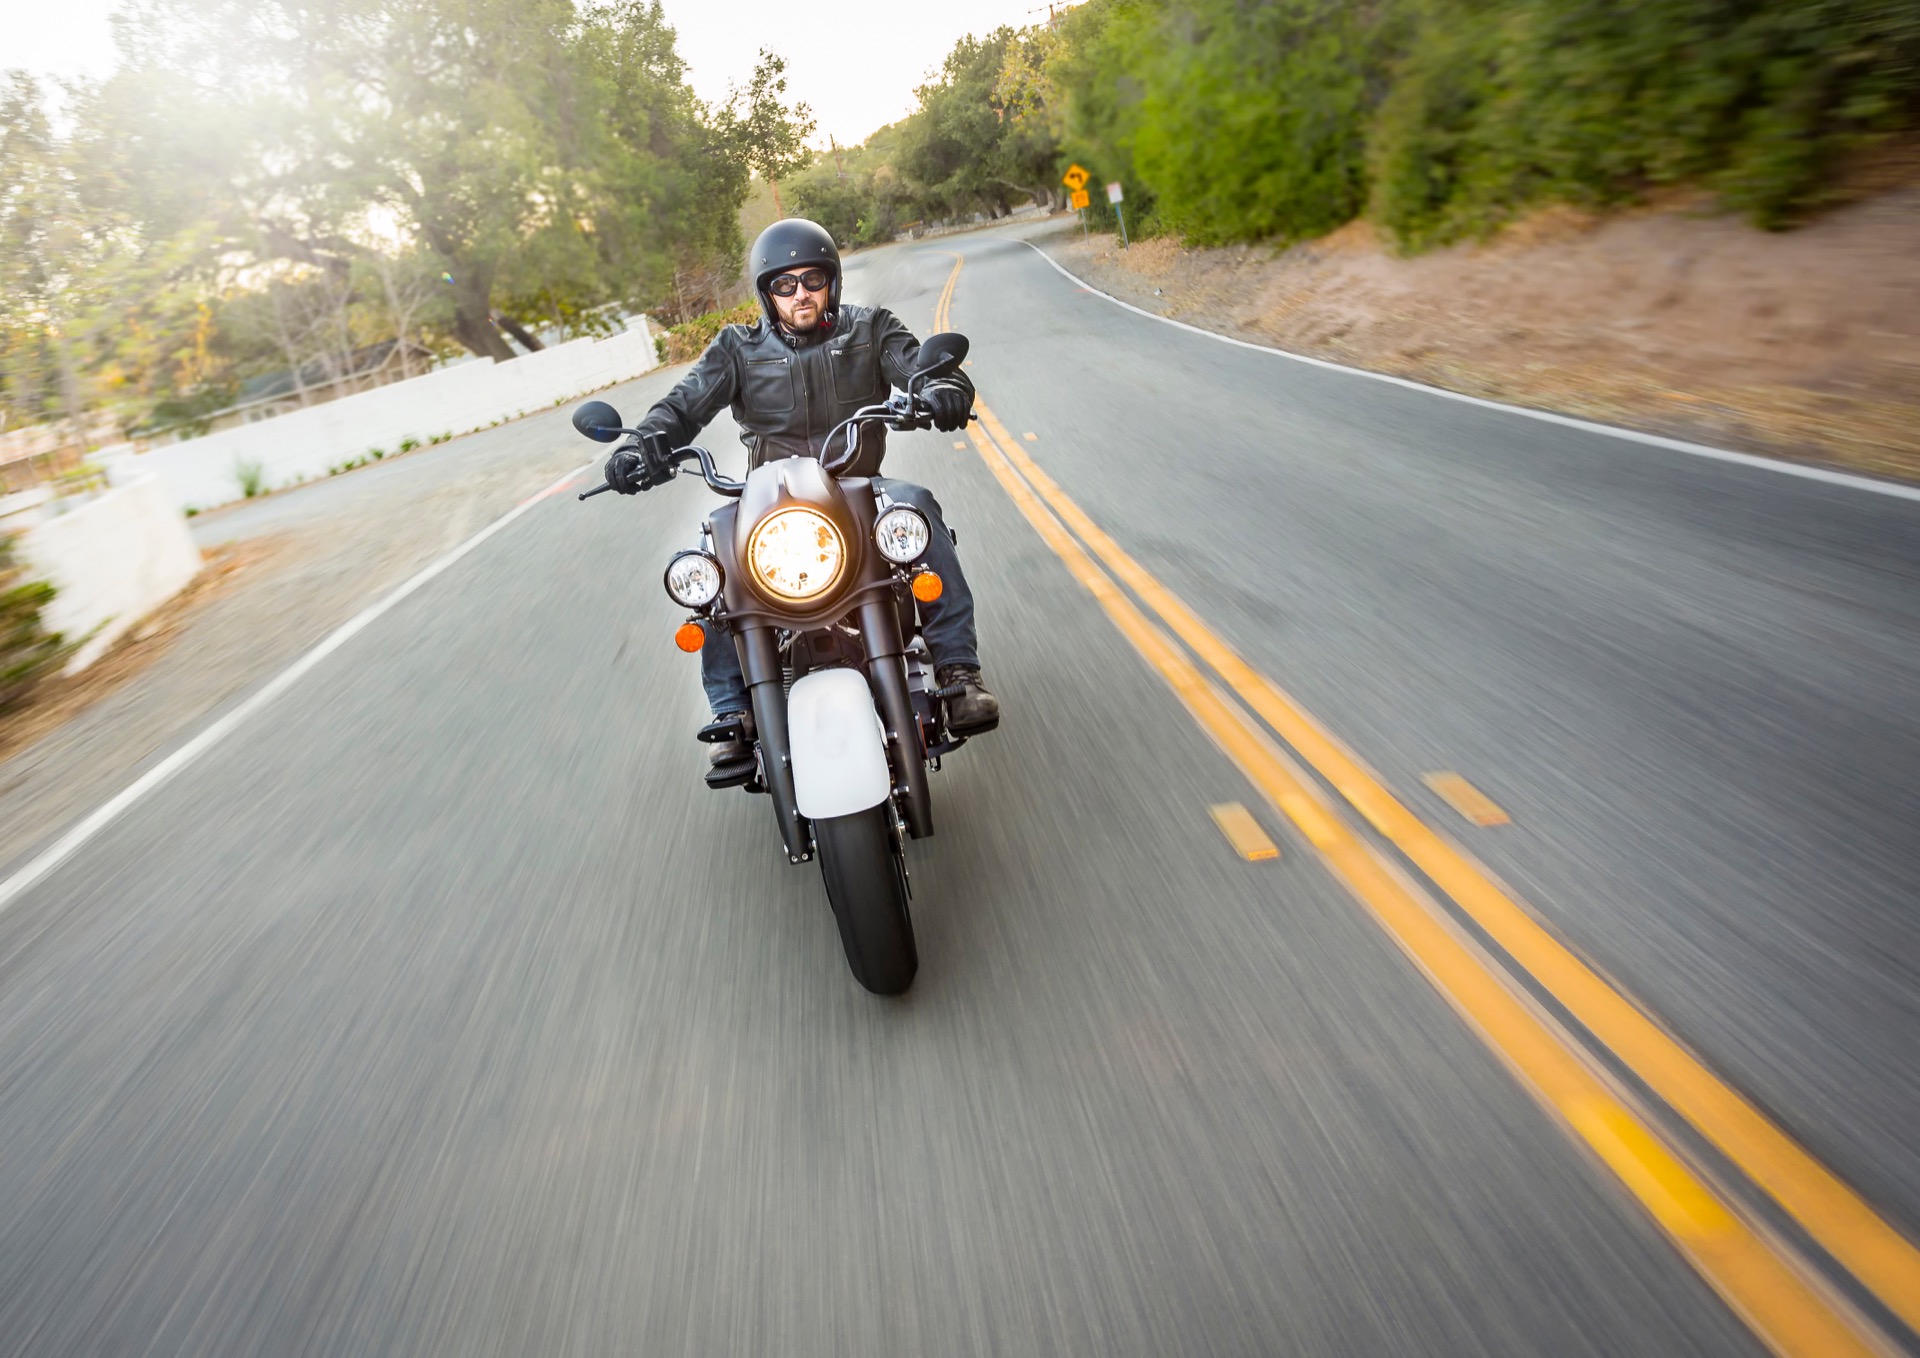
<point x="973" y="710"/>
<point x="731" y="760"/>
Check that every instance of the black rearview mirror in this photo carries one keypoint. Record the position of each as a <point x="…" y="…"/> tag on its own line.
<point x="941" y="354"/>
<point x="598" y="421"/>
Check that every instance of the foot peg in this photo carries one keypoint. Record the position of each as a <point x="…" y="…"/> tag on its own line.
<point x="732" y="763"/>
<point x="978" y="727"/>
<point x="732" y="775"/>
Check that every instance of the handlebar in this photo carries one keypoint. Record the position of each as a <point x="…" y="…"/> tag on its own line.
<point x="900" y="411"/>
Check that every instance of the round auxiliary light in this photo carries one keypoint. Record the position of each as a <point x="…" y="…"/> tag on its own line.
<point x="694" y="579"/>
<point x="902" y="534"/>
<point x="796" y="554"/>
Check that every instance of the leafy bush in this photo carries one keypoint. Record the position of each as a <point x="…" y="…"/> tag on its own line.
<point x="252" y="477"/>
<point x="1229" y="120"/>
<point x="687" y="340"/>
<point x="1254" y="121"/>
<point x="28" y="652"/>
<point x="1495" y="107"/>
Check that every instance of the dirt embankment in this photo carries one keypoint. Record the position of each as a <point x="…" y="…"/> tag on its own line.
<point x="1804" y="343"/>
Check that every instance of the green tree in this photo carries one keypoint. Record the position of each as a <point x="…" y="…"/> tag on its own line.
<point x="764" y="133"/>
<point x="92" y="305"/>
<point x="666" y="194"/>
<point x="1253" y="121"/>
<point x="958" y="152"/>
<point x="519" y="140"/>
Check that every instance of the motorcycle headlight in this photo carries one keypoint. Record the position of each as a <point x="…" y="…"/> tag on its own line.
<point x="796" y="554"/>
<point x="902" y="534"/>
<point x="694" y="579"/>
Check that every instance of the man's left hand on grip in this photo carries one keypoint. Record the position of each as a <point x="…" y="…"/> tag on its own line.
<point x="950" y="406"/>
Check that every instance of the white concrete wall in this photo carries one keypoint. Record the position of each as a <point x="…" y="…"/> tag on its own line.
<point x="203" y="472"/>
<point x="112" y="560"/>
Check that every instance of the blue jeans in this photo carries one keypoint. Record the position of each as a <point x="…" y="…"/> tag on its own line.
<point x="947" y="622"/>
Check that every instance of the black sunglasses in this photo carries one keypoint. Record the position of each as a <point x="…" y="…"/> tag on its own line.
<point x="789" y="283"/>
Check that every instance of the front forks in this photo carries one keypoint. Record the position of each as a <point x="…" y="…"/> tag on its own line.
<point x="887" y="675"/>
<point x="887" y="678"/>
<point x="760" y="664"/>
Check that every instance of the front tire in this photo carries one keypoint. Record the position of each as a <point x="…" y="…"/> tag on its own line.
<point x="867" y="887"/>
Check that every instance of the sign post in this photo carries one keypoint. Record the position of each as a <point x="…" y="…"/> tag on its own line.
<point x="1076" y="181"/>
<point x="1114" y="196"/>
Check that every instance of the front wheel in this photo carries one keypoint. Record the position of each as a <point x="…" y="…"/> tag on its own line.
<point x="867" y="887"/>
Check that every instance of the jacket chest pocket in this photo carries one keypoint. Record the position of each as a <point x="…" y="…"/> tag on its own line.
<point x="767" y="384"/>
<point x="856" y="377"/>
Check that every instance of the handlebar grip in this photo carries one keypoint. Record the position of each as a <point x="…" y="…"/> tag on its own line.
<point x="589" y="494"/>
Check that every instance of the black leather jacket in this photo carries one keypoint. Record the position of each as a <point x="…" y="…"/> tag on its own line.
<point x="788" y="392"/>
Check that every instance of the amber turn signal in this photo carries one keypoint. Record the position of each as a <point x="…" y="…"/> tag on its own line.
<point x="927" y="587"/>
<point x="690" y="637"/>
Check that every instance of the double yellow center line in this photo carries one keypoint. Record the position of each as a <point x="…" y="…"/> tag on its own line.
<point x="1778" y="1295"/>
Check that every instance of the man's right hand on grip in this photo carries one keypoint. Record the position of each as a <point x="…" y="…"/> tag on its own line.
<point x="625" y="472"/>
<point x="630" y="470"/>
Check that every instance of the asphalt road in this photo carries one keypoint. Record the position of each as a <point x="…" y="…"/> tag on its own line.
<point x="439" y="1009"/>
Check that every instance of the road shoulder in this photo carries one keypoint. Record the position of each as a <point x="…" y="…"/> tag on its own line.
<point x="1797" y="345"/>
<point x="308" y="560"/>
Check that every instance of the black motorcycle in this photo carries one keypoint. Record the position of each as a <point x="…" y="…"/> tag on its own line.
<point x="816" y="577"/>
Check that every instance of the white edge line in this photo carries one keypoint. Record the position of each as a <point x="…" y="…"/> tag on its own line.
<point x="1866" y="483"/>
<point x="65" y="847"/>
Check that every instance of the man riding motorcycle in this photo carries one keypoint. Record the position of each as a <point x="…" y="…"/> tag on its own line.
<point x="790" y="379"/>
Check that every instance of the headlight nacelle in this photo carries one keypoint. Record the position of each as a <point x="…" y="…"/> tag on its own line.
<point x="796" y="554"/>
<point x="694" y="579"/>
<point x="902" y="534"/>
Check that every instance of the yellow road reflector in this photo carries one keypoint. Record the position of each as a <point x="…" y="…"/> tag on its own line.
<point x="1243" y="832"/>
<point x="1467" y="799"/>
<point x="960" y="444"/>
<point x="1031" y="438"/>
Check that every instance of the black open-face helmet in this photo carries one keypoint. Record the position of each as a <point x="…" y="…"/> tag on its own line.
<point x="788" y="244"/>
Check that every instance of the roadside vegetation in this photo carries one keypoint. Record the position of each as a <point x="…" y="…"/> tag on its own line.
<point x="295" y="196"/>
<point x="688" y="340"/>
<point x="28" y="651"/>
<point x="1435" y="119"/>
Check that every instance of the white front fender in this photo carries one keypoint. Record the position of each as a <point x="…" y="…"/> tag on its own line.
<point x="837" y="744"/>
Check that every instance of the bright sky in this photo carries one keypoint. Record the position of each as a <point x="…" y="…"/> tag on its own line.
<point x="856" y="62"/>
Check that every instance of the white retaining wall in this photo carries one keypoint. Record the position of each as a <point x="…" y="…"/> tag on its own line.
<point x="111" y="560"/>
<point x="202" y="472"/>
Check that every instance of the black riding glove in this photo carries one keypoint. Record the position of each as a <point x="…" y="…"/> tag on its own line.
<point x="626" y="473"/>
<point x="951" y="406"/>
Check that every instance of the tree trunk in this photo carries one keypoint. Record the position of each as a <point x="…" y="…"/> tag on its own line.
<point x="473" y="319"/>
<point x="528" y="340"/>
<point x="774" y="184"/>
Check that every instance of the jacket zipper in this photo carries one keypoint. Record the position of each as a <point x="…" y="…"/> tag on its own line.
<point x="806" y="398"/>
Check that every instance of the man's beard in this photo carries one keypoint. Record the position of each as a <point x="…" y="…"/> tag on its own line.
<point x="807" y="326"/>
